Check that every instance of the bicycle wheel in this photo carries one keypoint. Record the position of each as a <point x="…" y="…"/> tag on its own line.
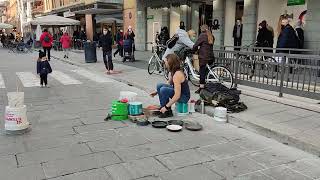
<point x="152" y="66"/>
<point x="221" y="75"/>
<point x="270" y="67"/>
<point x="194" y="80"/>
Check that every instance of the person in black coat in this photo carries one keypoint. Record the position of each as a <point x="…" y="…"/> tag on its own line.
<point x="287" y="37"/>
<point x="237" y="34"/>
<point x="300" y="34"/>
<point x="105" y="42"/>
<point x="264" y="38"/>
<point x="164" y="36"/>
<point x="43" y="68"/>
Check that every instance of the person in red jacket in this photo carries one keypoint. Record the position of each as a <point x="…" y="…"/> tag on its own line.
<point x="46" y="42"/>
<point x="66" y="44"/>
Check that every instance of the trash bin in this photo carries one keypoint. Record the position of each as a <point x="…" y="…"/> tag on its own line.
<point x="90" y="52"/>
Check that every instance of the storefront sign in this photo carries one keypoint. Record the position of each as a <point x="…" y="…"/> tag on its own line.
<point x="295" y="2"/>
<point x="150" y="17"/>
<point x="68" y="14"/>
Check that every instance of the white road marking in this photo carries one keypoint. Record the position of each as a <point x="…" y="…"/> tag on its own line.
<point x="64" y="78"/>
<point x="2" y="85"/>
<point x="28" y="79"/>
<point x="92" y="76"/>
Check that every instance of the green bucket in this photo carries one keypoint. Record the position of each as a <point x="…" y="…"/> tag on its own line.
<point x="182" y="108"/>
<point x="119" y="118"/>
<point x="119" y="108"/>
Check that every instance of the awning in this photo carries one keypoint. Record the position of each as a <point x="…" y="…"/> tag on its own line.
<point x="5" y="26"/>
<point x="52" y="20"/>
<point x="109" y="20"/>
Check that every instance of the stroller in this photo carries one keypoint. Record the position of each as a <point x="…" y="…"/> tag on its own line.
<point x="128" y="50"/>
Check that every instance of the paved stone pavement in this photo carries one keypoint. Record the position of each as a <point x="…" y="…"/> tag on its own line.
<point x="70" y="140"/>
<point x="290" y="125"/>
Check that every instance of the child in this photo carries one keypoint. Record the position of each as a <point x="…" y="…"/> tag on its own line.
<point x="43" y="68"/>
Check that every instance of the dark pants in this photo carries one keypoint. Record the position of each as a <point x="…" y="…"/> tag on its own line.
<point x="166" y="91"/>
<point x="44" y="79"/>
<point x="107" y="59"/>
<point x="203" y="72"/>
<point x="119" y="50"/>
<point x="47" y="50"/>
<point x="237" y="42"/>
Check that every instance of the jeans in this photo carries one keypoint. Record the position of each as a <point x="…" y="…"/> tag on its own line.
<point x="119" y="50"/>
<point x="44" y="79"/>
<point x="166" y="91"/>
<point x="66" y="51"/>
<point x="237" y="42"/>
<point x="107" y="59"/>
<point x="47" y="49"/>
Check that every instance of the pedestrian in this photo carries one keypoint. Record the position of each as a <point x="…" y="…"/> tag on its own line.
<point x="204" y="45"/>
<point x="43" y="68"/>
<point x="300" y="34"/>
<point x="164" y="36"/>
<point x="119" y="40"/>
<point x="65" y="41"/>
<point x="264" y="38"/>
<point x="177" y="90"/>
<point x="105" y="42"/>
<point x="46" y="42"/>
<point x="130" y="34"/>
<point x="237" y="34"/>
<point x="287" y="37"/>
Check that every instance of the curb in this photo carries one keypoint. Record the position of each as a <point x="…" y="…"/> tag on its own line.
<point x="280" y="137"/>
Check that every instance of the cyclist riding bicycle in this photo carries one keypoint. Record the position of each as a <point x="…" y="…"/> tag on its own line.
<point x="183" y="41"/>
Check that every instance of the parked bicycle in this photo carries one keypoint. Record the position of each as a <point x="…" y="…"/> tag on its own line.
<point x="156" y="63"/>
<point x="216" y="73"/>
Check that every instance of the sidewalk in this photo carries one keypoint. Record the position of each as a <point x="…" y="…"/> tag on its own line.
<point x="287" y="124"/>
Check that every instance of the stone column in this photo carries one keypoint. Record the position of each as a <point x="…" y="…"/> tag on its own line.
<point x="185" y="16"/>
<point x="249" y="22"/>
<point x="165" y="18"/>
<point x="218" y="14"/>
<point x="141" y="26"/>
<point x="29" y="11"/>
<point x="89" y="27"/>
<point x="195" y="17"/>
<point x="312" y="28"/>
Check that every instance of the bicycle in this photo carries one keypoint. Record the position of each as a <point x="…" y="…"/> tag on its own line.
<point x="156" y="63"/>
<point x="266" y="63"/>
<point x="215" y="73"/>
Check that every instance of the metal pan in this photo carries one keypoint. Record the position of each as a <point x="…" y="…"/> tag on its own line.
<point x="175" y="122"/>
<point x="159" y="124"/>
<point x="193" y="126"/>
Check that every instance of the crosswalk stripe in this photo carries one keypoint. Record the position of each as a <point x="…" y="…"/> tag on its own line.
<point x="92" y="76"/>
<point x="28" y="79"/>
<point x="64" y="78"/>
<point x="2" y="85"/>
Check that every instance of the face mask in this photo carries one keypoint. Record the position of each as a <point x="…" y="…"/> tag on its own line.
<point x="105" y="32"/>
<point x="193" y="39"/>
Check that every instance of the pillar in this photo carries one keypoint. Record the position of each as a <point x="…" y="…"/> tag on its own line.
<point x="29" y="11"/>
<point x="185" y="16"/>
<point x="218" y="15"/>
<point x="141" y="26"/>
<point x="165" y="18"/>
<point x="195" y="17"/>
<point x="249" y="22"/>
<point x="89" y="26"/>
<point x="312" y="28"/>
<point x="229" y="21"/>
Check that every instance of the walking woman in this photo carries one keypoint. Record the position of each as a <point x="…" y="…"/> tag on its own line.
<point x="176" y="91"/>
<point x="204" y="46"/>
<point x="65" y="41"/>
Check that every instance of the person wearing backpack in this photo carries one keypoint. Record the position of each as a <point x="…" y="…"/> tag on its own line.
<point x="43" y="69"/>
<point x="179" y="41"/>
<point x="46" y="42"/>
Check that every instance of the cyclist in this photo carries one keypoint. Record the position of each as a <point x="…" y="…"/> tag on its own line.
<point x="183" y="41"/>
<point x="204" y="45"/>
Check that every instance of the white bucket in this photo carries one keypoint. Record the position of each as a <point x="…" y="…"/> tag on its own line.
<point x="15" y="99"/>
<point x="191" y="106"/>
<point x="131" y="96"/>
<point x="16" y="118"/>
<point x="220" y="114"/>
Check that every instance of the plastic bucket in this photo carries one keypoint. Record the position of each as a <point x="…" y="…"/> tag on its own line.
<point x="16" y="118"/>
<point x="130" y="96"/>
<point x="15" y="99"/>
<point x="119" y="108"/>
<point x="182" y="109"/>
<point x="220" y="114"/>
<point x="135" y="108"/>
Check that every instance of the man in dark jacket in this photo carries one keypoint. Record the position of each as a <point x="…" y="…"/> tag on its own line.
<point x="105" y="42"/>
<point x="300" y="34"/>
<point x="237" y="34"/>
<point x="264" y="38"/>
<point x="287" y="37"/>
<point x="164" y="36"/>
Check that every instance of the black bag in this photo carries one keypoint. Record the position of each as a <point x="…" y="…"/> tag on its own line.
<point x="172" y="41"/>
<point x="221" y="94"/>
<point x="47" y="39"/>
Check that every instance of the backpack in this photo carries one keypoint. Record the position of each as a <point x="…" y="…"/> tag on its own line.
<point x="172" y="41"/>
<point x="46" y="38"/>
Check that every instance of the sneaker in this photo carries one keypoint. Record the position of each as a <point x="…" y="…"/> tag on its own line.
<point x="47" y="86"/>
<point x="64" y="56"/>
<point x="41" y="86"/>
<point x="167" y="114"/>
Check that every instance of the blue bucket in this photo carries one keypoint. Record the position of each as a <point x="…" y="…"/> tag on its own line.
<point x="182" y="108"/>
<point x="135" y="108"/>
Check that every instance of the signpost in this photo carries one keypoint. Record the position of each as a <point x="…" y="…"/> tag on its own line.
<point x="295" y="2"/>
